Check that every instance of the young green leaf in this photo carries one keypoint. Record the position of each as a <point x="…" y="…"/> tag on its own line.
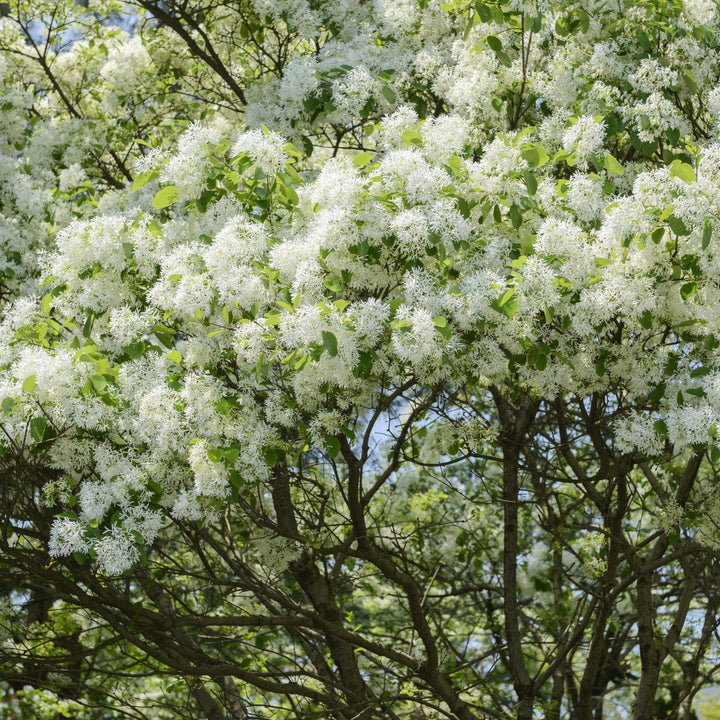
<point x="165" y="197"/>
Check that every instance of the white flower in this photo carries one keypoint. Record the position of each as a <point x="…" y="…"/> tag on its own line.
<point x="370" y="318"/>
<point x="393" y="126"/>
<point x="127" y="61"/>
<point x="186" y="167"/>
<point x="418" y="343"/>
<point x="125" y="326"/>
<point x="67" y="536"/>
<point x="229" y="262"/>
<point x="211" y="478"/>
<point x="585" y="197"/>
<point x="444" y="136"/>
<point x="411" y="230"/>
<point x="338" y="185"/>
<point x="266" y="149"/>
<point x="353" y="90"/>
<point x="116" y="551"/>
<point x="584" y="138"/>
<point x="71" y="177"/>
<point x="651" y="76"/>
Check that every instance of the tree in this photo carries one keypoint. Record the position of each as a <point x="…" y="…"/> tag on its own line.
<point x="359" y="360"/>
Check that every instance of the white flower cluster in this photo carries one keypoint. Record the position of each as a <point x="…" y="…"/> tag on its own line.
<point x="186" y="167"/>
<point x="211" y="478"/>
<point x="266" y="149"/>
<point x="584" y="138"/>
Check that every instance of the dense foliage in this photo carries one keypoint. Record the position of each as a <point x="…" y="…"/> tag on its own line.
<point x="359" y="359"/>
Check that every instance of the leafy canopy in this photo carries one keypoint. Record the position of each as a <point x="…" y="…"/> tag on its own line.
<point x="359" y="360"/>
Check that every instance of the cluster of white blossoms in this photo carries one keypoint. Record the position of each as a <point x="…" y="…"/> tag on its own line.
<point x="211" y="478"/>
<point x="186" y="168"/>
<point x="264" y="148"/>
<point x="584" y="138"/>
<point x="352" y="91"/>
<point x="128" y="61"/>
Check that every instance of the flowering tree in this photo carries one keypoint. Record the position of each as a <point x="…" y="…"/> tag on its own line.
<point x="359" y="360"/>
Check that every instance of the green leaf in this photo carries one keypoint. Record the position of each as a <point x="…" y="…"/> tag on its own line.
<point x="535" y="155"/>
<point x="700" y="372"/>
<point x="29" y="383"/>
<point x="707" y="235"/>
<point x="288" y="192"/>
<point x="307" y="144"/>
<point x="290" y="149"/>
<point x="8" y="404"/>
<point x="362" y="159"/>
<point x="714" y="454"/>
<point x="646" y="319"/>
<point x="612" y="165"/>
<point x="505" y="297"/>
<point x="333" y="283"/>
<point x="506" y="304"/>
<point x="678" y="226"/>
<point x="688" y="290"/>
<point x="530" y="182"/>
<point x="333" y="446"/>
<point x="658" y="392"/>
<point x="483" y="11"/>
<point x="294" y="176"/>
<point x="474" y="18"/>
<point x="364" y="366"/>
<point x="99" y="382"/>
<point x="456" y="165"/>
<point x="165" y="197"/>
<point x="657" y="235"/>
<point x="330" y="343"/>
<point x="666" y="213"/>
<point x="388" y="93"/>
<point x="515" y="215"/>
<point x="682" y="170"/>
<point x="690" y="81"/>
<point x="270" y="457"/>
<point x="504" y="58"/>
<point x="144" y="178"/>
<point x="38" y="426"/>
<point x="175" y="357"/>
<point x="441" y="325"/>
<point x="411" y="137"/>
